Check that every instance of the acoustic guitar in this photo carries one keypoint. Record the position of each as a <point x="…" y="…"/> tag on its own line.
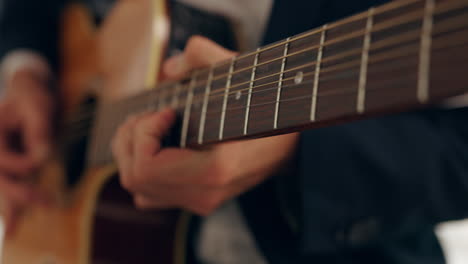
<point x="395" y="57"/>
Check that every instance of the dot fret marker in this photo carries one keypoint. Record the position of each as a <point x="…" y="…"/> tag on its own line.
<point x="299" y="77"/>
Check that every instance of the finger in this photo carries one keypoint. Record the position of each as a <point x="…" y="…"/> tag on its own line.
<point x="198" y="200"/>
<point x="34" y="105"/>
<point x="12" y="213"/>
<point x="15" y="191"/>
<point x="199" y="52"/>
<point x="12" y="161"/>
<point x="37" y="132"/>
<point x="23" y="193"/>
<point x="122" y="149"/>
<point x="145" y="202"/>
<point x="149" y="132"/>
<point x="175" y="68"/>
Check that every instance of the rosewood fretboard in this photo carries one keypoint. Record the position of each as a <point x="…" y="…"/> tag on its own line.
<point x="393" y="57"/>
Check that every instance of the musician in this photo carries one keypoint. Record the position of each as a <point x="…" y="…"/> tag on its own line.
<point x="367" y="192"/>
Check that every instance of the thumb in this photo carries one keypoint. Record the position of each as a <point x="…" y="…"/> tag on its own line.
<point x="149" y="132"/>
<point x="176" y="67"/>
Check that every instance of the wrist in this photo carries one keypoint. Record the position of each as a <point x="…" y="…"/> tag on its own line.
<point x="24" y="64"/>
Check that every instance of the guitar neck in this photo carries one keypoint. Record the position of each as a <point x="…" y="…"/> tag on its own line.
<point x="390" y="58"/>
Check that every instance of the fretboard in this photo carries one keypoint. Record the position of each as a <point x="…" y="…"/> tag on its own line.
<point x="390" y="58"/>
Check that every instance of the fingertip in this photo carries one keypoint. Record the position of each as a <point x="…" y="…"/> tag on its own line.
<point x="168" y="114"/>
<point x="140" y="202"/>
<point x="175" y="67"/>
<point x="11" y="217"/>
<point x="40" y="153"/>
<point x="201" y="52"/>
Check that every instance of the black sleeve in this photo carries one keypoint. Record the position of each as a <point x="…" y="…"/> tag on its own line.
<point x="407" y="170"/>
<point x="30" y="24"/>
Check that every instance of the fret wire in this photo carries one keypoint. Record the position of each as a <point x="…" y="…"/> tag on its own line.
<point x="153" y="96"/>
<point x="439" y="47"/>
<point x="313" y="107"/>
<point x="327" y="43"/>
<point x="226" y="93"/>
<point x="249" y="96"/>
<point x="424" y="58"/>
<point x="336" y="93"/>
<point x="423" y="26"/>
<point x="381" y="26"/>
<point x="201" y="130"/>
<point x="175" y="95"/>
<point x="334" y="57"/>
<point x="408" y="18"/>
<point x="364" y="63"/>
<point x="382" y="57"/>
<point x="378" y="10"/>
<point x="280" y="83"/>
<point x="384" y="25"/>
<point x="186" y="119"/>
<point x="322" y="94"/>
<point x="161" y="99"/>
<point x="402" y="52"/>
<point x="337" y="40"/>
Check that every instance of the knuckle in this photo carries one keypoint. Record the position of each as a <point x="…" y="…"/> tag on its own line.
<point x="129" y="122"/>
<point x="143" y="126"/>
<point x="139" y="174"/>
<point x="118" y="135"/>
<point x="127" y="182"/>
<point x="141" y="204"/>
<point x="215" y="180"/>
<point x="194" y="45"/>
<point x="217" y="176"/>
<point x="195" y="42"/>
<point x="208" y="204"/>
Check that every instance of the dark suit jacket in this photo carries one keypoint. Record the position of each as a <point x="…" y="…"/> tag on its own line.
<point x="366" y="192"/>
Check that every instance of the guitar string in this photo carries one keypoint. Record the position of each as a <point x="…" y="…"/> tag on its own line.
<point x="350" y="36"/>
<point x="256" y="88"/>
<point x="330" y="94"/>
<point x="347" y="53"/>
<point x="409" y="36"/>
<point x="304" y="66"/>
<point x="380" y="44"/>
<point x="346" y="21"/>
<point x="321" y="94"/>
<point x="408" y="18"/>
<point x="353" y="35"/>
<point x="441" y="7"/>
<point x="309" y="96"/>
<point x="331" y="78"/>
<point x="390" y="55"/>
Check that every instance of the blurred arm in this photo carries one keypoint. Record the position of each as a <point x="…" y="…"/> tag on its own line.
<point x="31" y="25"/>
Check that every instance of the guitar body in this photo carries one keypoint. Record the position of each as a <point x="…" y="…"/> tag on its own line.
<point x="93" y="219"/>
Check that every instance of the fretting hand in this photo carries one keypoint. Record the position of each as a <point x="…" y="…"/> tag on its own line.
<point x="198" y="181"/>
